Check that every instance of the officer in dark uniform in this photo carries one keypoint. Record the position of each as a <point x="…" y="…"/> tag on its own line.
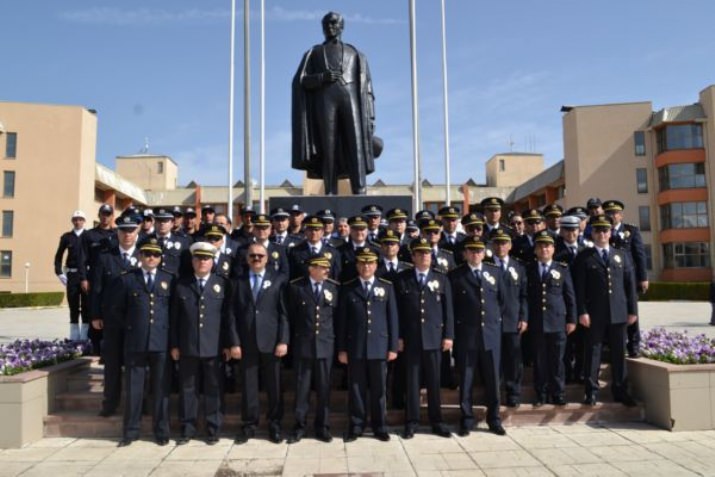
<point x="424" y="301"/>
<point x="372" y="215"/>
<point x="607" y="303"/>
<point x="328" y="218"/>
<point x="358" y="239"/>
<point x="228" y="246"/>
<point x="473" y="225"/>
<point x="514" y="314"/>
<point x="277" y="256"/>
<point x="582" y="215"/>
<point x="176" y="258"/>
<point x="523" y="248"/>
<point x="207" y="214"/>
<point x="140" y="301"/>
<point x="279" y="219"/>
<point x="312" y="304"/>
<point x="259" y="311"/>
<point x="552" y="316"/>
<point x="478" y="298"/>
<point x="594" y="207"/>
<point x="367" y="333"/>
<point x="295" y="220"/>
<point x="397" y="222"/>
<point x="450" y="237"/>
<point x="178" y="226"/>
<point x="492" y="208"/>
<point x="191" y="225"/>
<point x="69" y="276"/>
<point x="201" y="331"/>
<point x="244" y="235"/>
<point x="122" y="257"/>
<point x="146" y="228"/>
<point x="552" y="215"/>
<point x="627" y="237"/>
<point x="223" y="262"/>
<point x="311" y="246"/>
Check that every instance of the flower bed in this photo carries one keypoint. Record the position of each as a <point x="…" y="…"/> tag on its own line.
<point x="25" y="355"/>
<point x="677" y="347"/>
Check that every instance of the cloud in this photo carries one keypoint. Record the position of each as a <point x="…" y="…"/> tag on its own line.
<point x="143" y="16"/>
<point x="285" y="15"/>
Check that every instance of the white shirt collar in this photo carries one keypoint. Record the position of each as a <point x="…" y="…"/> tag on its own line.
<point x="129" y="251"/>
<point x="78" y="232"/>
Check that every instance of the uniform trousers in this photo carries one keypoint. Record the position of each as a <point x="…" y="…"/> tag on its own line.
<point x="487" y="363"/>
<point x="262" y="368"/>
<point x="511" y="364"/>
<point x="191" y="372"/>
<point x="113" y="357"/>
<point x="308" y="370"/>
<point x="364" y="375"/>
<point x="615" y="336"/>
<point x="135" y="377"/>
<point x="428" y="361"/>
<point x="549" y="363"/>
<point x="574" y="354"/>
<point x="76" y="299"/>
<point x="396" y="376"/>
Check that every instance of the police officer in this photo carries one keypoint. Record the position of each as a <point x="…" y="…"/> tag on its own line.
<point x="449" y="216"/>
<point x="259" y="312"/>
<point x="367" y="333"/>
<point x="372" y="214"/>
<point x="178" y="226"/>
<point x="122" y="257"/>
<point x="312" y="305"/>
<point x="207" y="214"/>
<point x="69" y="276"/>
<point x="280" y="220"/>
<point x="147" y="225"/>
<point x="260" y="232"/>
<point x="141" y="303"/>
<point x="358" y="239"/>
<point x="473" y="225"/>
<point x="328" y="218"/>
<point x="228" y="245"/>
<point x="201" y="331"/>
<point x="191" y="222"/>
<point x="607" y="303"/>
<point x="424" y="301"/>
<point x="295" y="220"/>
<point x="515" y="315"/>
<point x="442" y="259"/>
<point x="552" y="215"/>
<point x="243" y="234"/>
<point x="478" y="298"/>
<point x="523" y="248"/>
<point x="397" y="222"/>
<point x="492" y="208"/>
<point x="313" y="245"/>
<point x="176" y="258"/>
<point x="552" y="316"/>
<point x="627" y="237"/>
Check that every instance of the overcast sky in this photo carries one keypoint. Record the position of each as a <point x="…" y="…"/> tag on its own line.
<point x="159" y="70"/>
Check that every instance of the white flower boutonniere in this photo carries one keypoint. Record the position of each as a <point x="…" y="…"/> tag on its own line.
<point x="164" y="285"/>
<point x="442" y="262"/>
<point x="133" y="261"/>
<point x="266" y="284"/>
<point x="621" y="234"/>
<point x="328" y="255"/>
<point x="328" y="296"/>
<point x="169" y="245"/>
<point x="617" y="259"/>
<point x="177" y="245"/>
<point x="228" y="251"/>
<point x="627" y="233"/>
<point x="489" y="253"/>
<point x="217" y="288"/>
<point x="513" y="273"/>
<point x="489" y="278"/>
<point x="379" y="291"/>
<point x="225" y="266"/>
<point x="433" y="285"/>
<point x="555" y="274"/>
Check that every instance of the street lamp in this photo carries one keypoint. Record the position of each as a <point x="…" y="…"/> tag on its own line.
<point x="27" y="277"/>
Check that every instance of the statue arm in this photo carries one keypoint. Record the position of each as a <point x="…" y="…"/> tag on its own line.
<point x="309" y="80"/>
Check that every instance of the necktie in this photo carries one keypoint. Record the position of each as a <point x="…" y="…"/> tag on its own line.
<point x="150" y="282"/>
<point x="503" y="265"/>
<point x="422" y="277"/>
<point x="367" y="287"/>
<point x="478" y="276"/>
<point x="604" y="255"/>
<point x="316" y="291"/>
<point x="125" y="258"/>
<point x="162" y="242"/>
<point x="544" y="272"/>
<point x="574" y="251"/>
<point x="256" y="288"/>
<point x="314" y="250"/>
<point x="202" y="282"/>
<point x="279" y="239"/>
<point x="450" y="239"/>
<point x="390" y="266"/>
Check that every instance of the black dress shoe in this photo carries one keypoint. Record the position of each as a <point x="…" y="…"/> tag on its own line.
<point x="513" y="402"/>
<point x="296" y="436"/>
<point x="275" y="436"/>
<point x="162" y="441"/>
<point x="182" y="440"/>
<point x="539" y="401"/>
<point x="463" y="431"/>
<point x="382" y="436"/>
<point x="627" y="401"/>
<point x="324" y="435"/>
<point x="559" y="401"/>
<point x="350" y="437"/>
<point x="497" y="429"/>
<point x="409" y="433"/>
<point x="106" y="413"/>
<point x="125" y="442"/>
<point x="212" y="440"/>
<point x="590" y="400"/>
<point x="441" y="431"/>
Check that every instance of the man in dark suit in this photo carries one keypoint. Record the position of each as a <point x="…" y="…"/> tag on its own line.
<point x="424" y="301"/>
<point x="358" y="239"/>
<point x="176" y="258"/>
<point x="478" y="298"/>
<point x="523" y="248"/>
<point x="279" y="222"/>
<point x="514" y="315"/>
<point x="258" y="310"/>
<point x="312" y="245"/>
<point x="367" y="329"/>
<point x="473" y="225"/>
<point x="201" y="331"/>
<point x="627" y="237"/>
<point x="223" y="261"/>
<point x="607" y="303"/>
<point x="449" y="216"/>
<point x="111" y="264"/>
<point x="312" y="304"/>
<point x="552" y="316"/>
<point x="141" y="302"/>
<point x="277" y="256"/>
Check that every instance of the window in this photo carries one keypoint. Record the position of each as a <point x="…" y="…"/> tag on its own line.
<point x="502" y="165"/>
<point x="5" y="264"/>
<point x="686" y="255"/>
<point x="648" y="256"/>
<point x="682" y="176"/>
<point x="540" y="200"/>
<point x="8" y="217"/>
<point x="642" y="180"/>
<point x="561" y="192"/>
<point x="159" y="167"/>
<point x="639" y="141"/>
<point x="644" y="218"/>
<point x="11" y="145"/>
<point x="684" y="215"/>
<point x="8" y="184"/>
<point x="680" y="136"/>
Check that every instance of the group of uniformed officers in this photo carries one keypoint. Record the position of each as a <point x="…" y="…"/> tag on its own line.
<point x="177" y="300"/>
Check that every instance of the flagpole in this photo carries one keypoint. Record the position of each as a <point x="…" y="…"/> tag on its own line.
<point x="417" y="203"/>
<point x="231" y="112"/>
<point x="247" y="186"/>
<point x="262" y="178"/>
<point x="446" y="109"/>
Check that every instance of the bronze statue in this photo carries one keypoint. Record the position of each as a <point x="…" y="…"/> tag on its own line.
<point x="333" y="112"/>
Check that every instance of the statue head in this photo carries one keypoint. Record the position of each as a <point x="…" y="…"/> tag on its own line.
<point x="333" y="25"/>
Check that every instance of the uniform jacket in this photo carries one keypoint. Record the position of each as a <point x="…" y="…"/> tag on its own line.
<point x="263" y="323"/>
<point x="523" y="249"/>
<point x="347" y="259"/>
<point x="72" y="243"/>
<point x="298" y="254"/>
<point x="552" y="302"/>
<point x="383" y="272"/>
<point x="606" y="293"/>
<point x="515" y="290"/>
<point x="95" y="241"/>
<point x="426" y="314"/>
<point x="144" y="312"/>
<point x="367" y="325"/>
<point x="109" y="266"/>
<point x="223" y="266"/>
<point x="311" y="320"/>
<point x="175" y="256"/>
<point x="445" y="244"/>
<point x="563" y="252"/>
<point x="628" y="238"/>
<point x="200" y="322"/>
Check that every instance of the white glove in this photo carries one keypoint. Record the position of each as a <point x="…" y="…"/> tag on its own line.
<point x="63" y="278"/>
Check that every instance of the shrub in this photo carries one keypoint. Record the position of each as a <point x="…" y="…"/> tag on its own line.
<point x="24" y="355"/>
<point x="664" y="291"/>
<point x="677" y="347"/>
<point x="16" y="300"/>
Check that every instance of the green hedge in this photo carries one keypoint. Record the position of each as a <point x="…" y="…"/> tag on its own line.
<point x="664" y="291"/>
<point x="17" y="300"/>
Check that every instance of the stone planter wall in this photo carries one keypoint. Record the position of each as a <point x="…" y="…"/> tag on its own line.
<point x="677" y="397"/>
<point x="26" y="398"/>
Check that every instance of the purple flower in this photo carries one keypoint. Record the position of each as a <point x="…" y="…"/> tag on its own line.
<point x="677" y="347"/>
